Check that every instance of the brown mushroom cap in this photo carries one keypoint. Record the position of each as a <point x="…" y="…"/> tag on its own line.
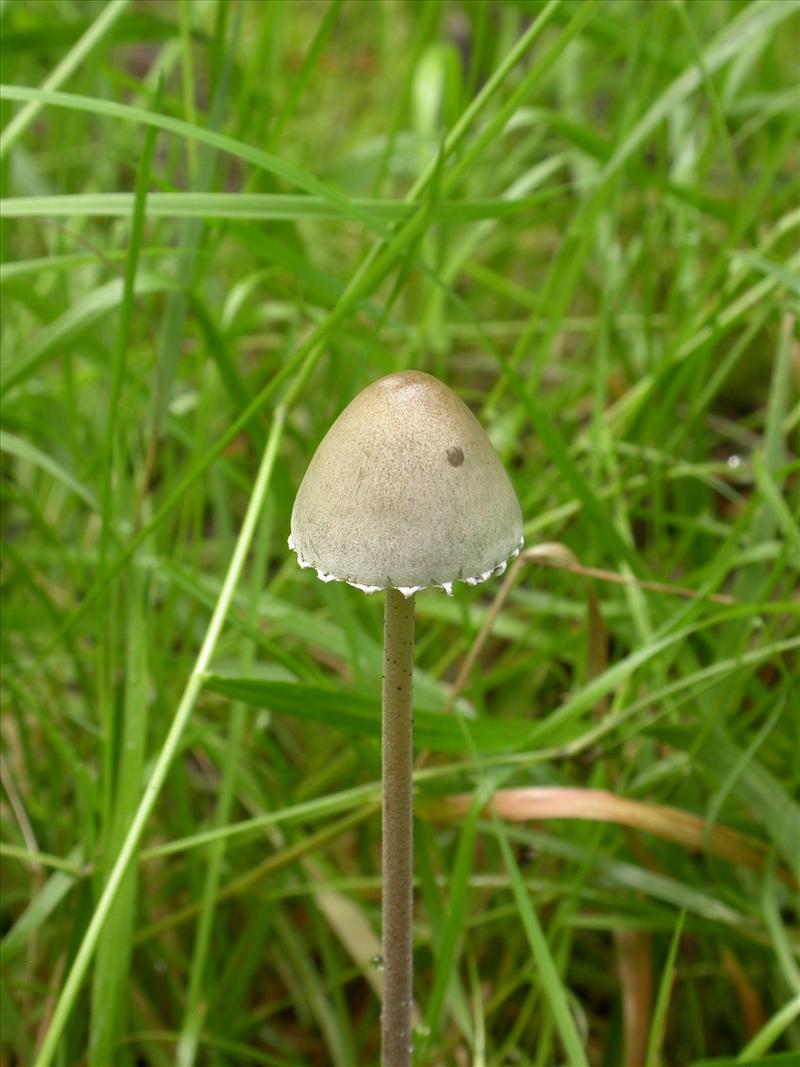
<point x="405" y="491"/>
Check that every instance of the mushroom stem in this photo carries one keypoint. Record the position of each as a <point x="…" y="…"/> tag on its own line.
<point x="398" y="893"/>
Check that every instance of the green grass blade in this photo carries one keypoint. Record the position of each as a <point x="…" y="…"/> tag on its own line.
<point x="40" y="908"/>
<point x="110" y="985"/>
<point x="548" y="977"/>
<point x="769" y="1034"/>
<point x="256" y="156"/>
<point x="85" y="311"/>
<point x="448" y="945"/>
<point x="757" y="19"/>
<point x="99" y="29"/>
<point x="273" y="207"/>
<point x="659" y="1021"/>
<point x="155" y="783"/>
<point x="29" y="453"/>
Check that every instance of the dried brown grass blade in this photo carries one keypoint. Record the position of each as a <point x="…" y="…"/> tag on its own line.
<point x="654" y="587"/>
<point x="672" y="824"/>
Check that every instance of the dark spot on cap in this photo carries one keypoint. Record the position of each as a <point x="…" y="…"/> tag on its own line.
<point x="455" y="457"/>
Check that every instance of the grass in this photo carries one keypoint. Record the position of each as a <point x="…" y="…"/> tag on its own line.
<point x="219" y="221"/>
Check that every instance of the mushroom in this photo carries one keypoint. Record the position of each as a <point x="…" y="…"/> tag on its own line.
<point x="404" y="492"/>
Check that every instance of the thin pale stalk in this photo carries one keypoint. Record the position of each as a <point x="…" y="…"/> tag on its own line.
<point x="398" y="670"/>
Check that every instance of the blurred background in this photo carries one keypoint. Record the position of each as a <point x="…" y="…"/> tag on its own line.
<point x="221" y="219"/>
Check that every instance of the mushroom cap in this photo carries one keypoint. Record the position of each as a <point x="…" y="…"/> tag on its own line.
<point x="406" y="491"/>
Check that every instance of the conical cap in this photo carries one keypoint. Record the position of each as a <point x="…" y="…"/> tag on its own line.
<point x="406" y="491"/>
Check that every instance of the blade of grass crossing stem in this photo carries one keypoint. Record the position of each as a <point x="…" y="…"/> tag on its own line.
<point x="551" y="985"/>
<point x="111" y="978"/>
<point x="659" y="1024"/>
<point x="171" y="744"/>
<point x="71" y="61"/>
